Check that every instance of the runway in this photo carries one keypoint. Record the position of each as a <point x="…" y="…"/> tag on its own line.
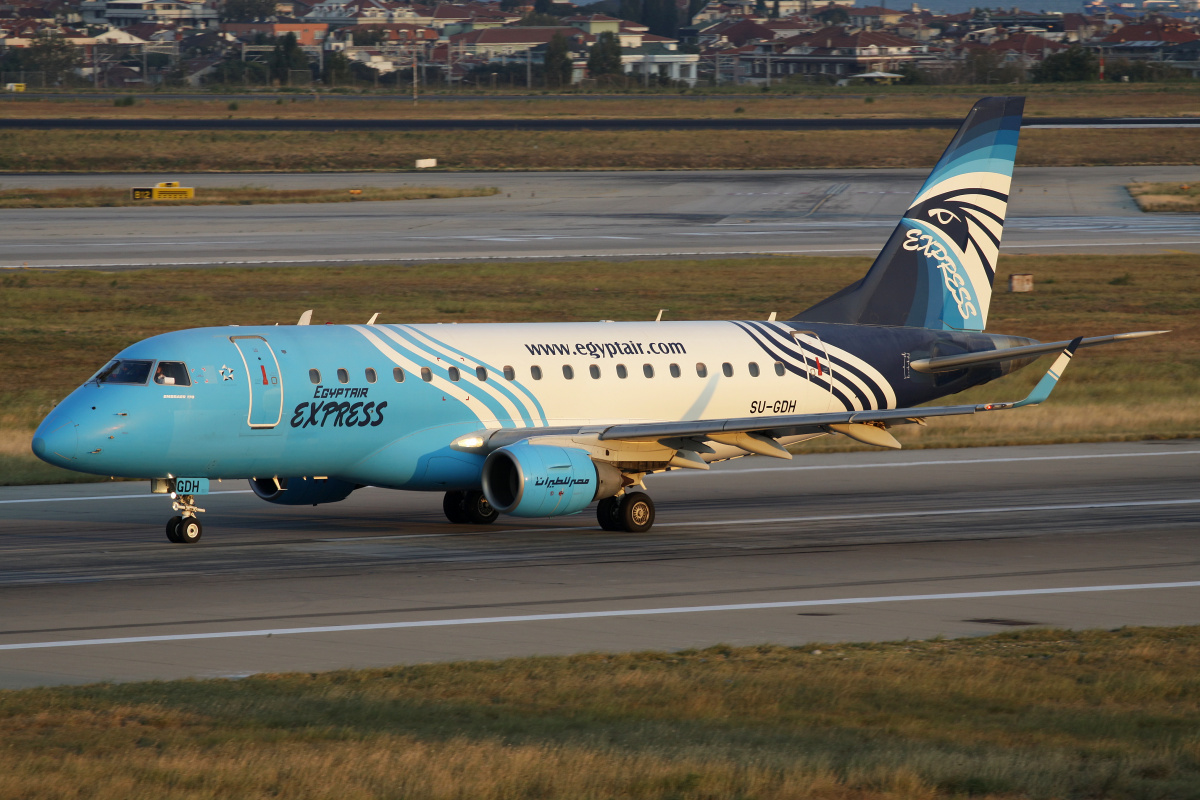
<point x="848" y="547"/>
<point x="565" y="215"/>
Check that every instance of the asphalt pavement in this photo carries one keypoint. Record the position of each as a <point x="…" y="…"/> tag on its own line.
<point x="850" y="547"/>
<point x="563" y="215"/>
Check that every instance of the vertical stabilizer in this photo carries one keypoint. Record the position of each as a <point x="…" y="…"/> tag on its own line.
<point x="936" y="270"/>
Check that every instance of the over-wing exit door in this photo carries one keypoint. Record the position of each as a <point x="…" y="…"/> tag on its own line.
<point x="266" y="384"/>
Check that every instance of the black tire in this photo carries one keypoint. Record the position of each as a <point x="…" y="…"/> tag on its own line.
<point x="478" y="510"/>
<point x="637" y="512"/>
<point x="173" y="529"/>
<point x="454" y="506"/>
<point x="608" y="514"/>
<point x="189" y="531"/>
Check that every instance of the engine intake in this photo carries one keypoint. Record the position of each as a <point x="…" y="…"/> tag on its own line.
<point x="301" y="491"/>
<point x="535" y="480"/>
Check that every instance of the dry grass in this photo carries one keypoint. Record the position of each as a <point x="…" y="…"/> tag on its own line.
<point x="1166" y="196"/>
<point x="243" y="196"/>
<point x="1181" y="99"/>
<point x="193" y="151"/>
<point x="77" y="320"/>
<point x="1042" y="714"/>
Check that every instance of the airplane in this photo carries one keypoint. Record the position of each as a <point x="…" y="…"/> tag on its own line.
<point x="545" y="419"/>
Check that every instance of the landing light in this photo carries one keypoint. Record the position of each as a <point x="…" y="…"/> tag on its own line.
<point x="470" y="442"/>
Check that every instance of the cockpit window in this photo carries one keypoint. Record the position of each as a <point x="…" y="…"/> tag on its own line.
<point x="125" y="371"/>
<point x="172" y="373"/>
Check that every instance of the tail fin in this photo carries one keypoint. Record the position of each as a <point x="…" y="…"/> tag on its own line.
<point x="936" y="270"/>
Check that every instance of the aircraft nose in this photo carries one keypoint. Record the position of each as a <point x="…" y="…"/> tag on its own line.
<point x="56" y="442"/>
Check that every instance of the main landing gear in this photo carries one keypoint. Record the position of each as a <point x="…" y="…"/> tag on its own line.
<point x="632" y="512"/>
<point x="468" y="508"/>
<point x="185" y="529"/>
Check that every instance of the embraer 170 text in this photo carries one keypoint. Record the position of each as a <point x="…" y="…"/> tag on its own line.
<point x="539" y="420"/>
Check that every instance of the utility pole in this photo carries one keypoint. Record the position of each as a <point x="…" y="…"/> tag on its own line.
<point x="414" y="71"/>
<point x="529" y="68"/>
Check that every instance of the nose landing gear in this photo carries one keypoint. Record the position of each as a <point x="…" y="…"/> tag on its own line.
<point x="185" y="529"/>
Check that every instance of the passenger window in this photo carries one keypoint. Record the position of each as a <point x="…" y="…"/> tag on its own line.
<point x="426" y="374"/>
<point x="701" y="371"/>
<point x="753" y="367"/>
<point x="371" y="376"/>
<point x="172" y="373"/>
<point x="535" y="372"/>
<point x="481" y="373"/>
<point x="453" y="373"/>
<point x="314" y="376"/>
<point x="510" y="374"/>
<point x="621" y="371"/>
<point x="727" y="369"/>
<point x="568" y="373"/>
<point x="125" y="371"/>
<point x="779" y="368"/>
<point x="675" y="371"/>
<point x="648" y="370"/>
<point x="343" y="376"/>
<point x="594" y="371"/>
<point x="398" y="375"/>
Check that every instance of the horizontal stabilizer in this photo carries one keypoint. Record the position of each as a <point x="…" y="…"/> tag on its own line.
<point x="949" y="363"/>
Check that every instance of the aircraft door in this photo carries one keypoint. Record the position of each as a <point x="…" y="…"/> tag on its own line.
<point x="265" y="379"/>
<point x="816" y="358"/>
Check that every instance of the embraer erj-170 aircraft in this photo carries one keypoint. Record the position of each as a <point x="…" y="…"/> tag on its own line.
<point x="543" y="419"/>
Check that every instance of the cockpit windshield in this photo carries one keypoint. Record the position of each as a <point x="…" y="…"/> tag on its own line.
<point x="125" y="371"/>
<point x="172" y="373"/>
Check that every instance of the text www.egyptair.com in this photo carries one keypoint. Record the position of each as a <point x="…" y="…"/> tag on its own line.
<point x="607" y="349"/>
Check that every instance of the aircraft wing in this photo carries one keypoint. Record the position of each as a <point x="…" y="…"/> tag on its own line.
<point x="758" y="434"/>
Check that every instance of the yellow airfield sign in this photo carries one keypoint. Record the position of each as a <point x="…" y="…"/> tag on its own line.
<point x="167" y="190"/>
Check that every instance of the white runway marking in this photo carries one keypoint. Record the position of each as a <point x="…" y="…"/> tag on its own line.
<point x="945" y="462"/>
<point x="112" y="497"/>
<point x="875" y="465"/>
<point x="634" y="612"/>
<point x="947" y="512"/>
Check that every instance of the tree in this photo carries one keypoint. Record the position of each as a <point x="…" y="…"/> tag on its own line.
<point x="833" y="15"/>
<point x="53" y="55"/>
<point x="631" y="10"/>
<point x="287" y="56"/>
<point x="605" y="56"/>
<point x="337" y="69"/>
<point x="535" y="20"/>
<point x="558" y="61"/>
<point x="510" y="5"/>
<point x="1076" y="63"/>
<point x="235" y="10"/>
<point x="661" y="17"/>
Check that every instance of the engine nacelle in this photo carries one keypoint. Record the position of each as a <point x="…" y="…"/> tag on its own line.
<point x="538" y="480"/>
<point x="301" y="491"/>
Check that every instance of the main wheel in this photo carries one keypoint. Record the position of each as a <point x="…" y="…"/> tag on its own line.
<point x="173" y="529"/>
<point x="637" y="512"/>
<point x="608" y="514"/>
<point x="478" y="510"/>
<point x="454" y="505"/>
<point x="189" y="531"/>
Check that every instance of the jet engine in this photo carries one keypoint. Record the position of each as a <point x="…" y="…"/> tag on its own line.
<point x="301" y="491"/>
<point x="536" y="480"/>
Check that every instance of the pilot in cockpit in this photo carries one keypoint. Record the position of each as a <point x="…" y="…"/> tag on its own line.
<point x="161" y="377"/>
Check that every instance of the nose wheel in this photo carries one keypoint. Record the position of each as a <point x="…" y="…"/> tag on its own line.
<point x="185" y="529"/>
<point x="632" y="513"/>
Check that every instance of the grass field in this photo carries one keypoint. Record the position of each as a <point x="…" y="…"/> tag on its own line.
<point x="1083" y="100"/>
<point x="1166" y="196"/>
<point x="77" y="320"/>
<point x="224" y="151"/>
<point x="238" y="196"/>
<point x="1035" y="714"/>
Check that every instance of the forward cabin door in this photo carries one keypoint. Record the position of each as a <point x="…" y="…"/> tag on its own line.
<point x="816" y="359"/>
<point x="266" y="383"/>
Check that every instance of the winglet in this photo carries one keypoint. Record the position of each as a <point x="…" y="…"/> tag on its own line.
<point x="305" y="318"/>
<point x="1046" y="384"/>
